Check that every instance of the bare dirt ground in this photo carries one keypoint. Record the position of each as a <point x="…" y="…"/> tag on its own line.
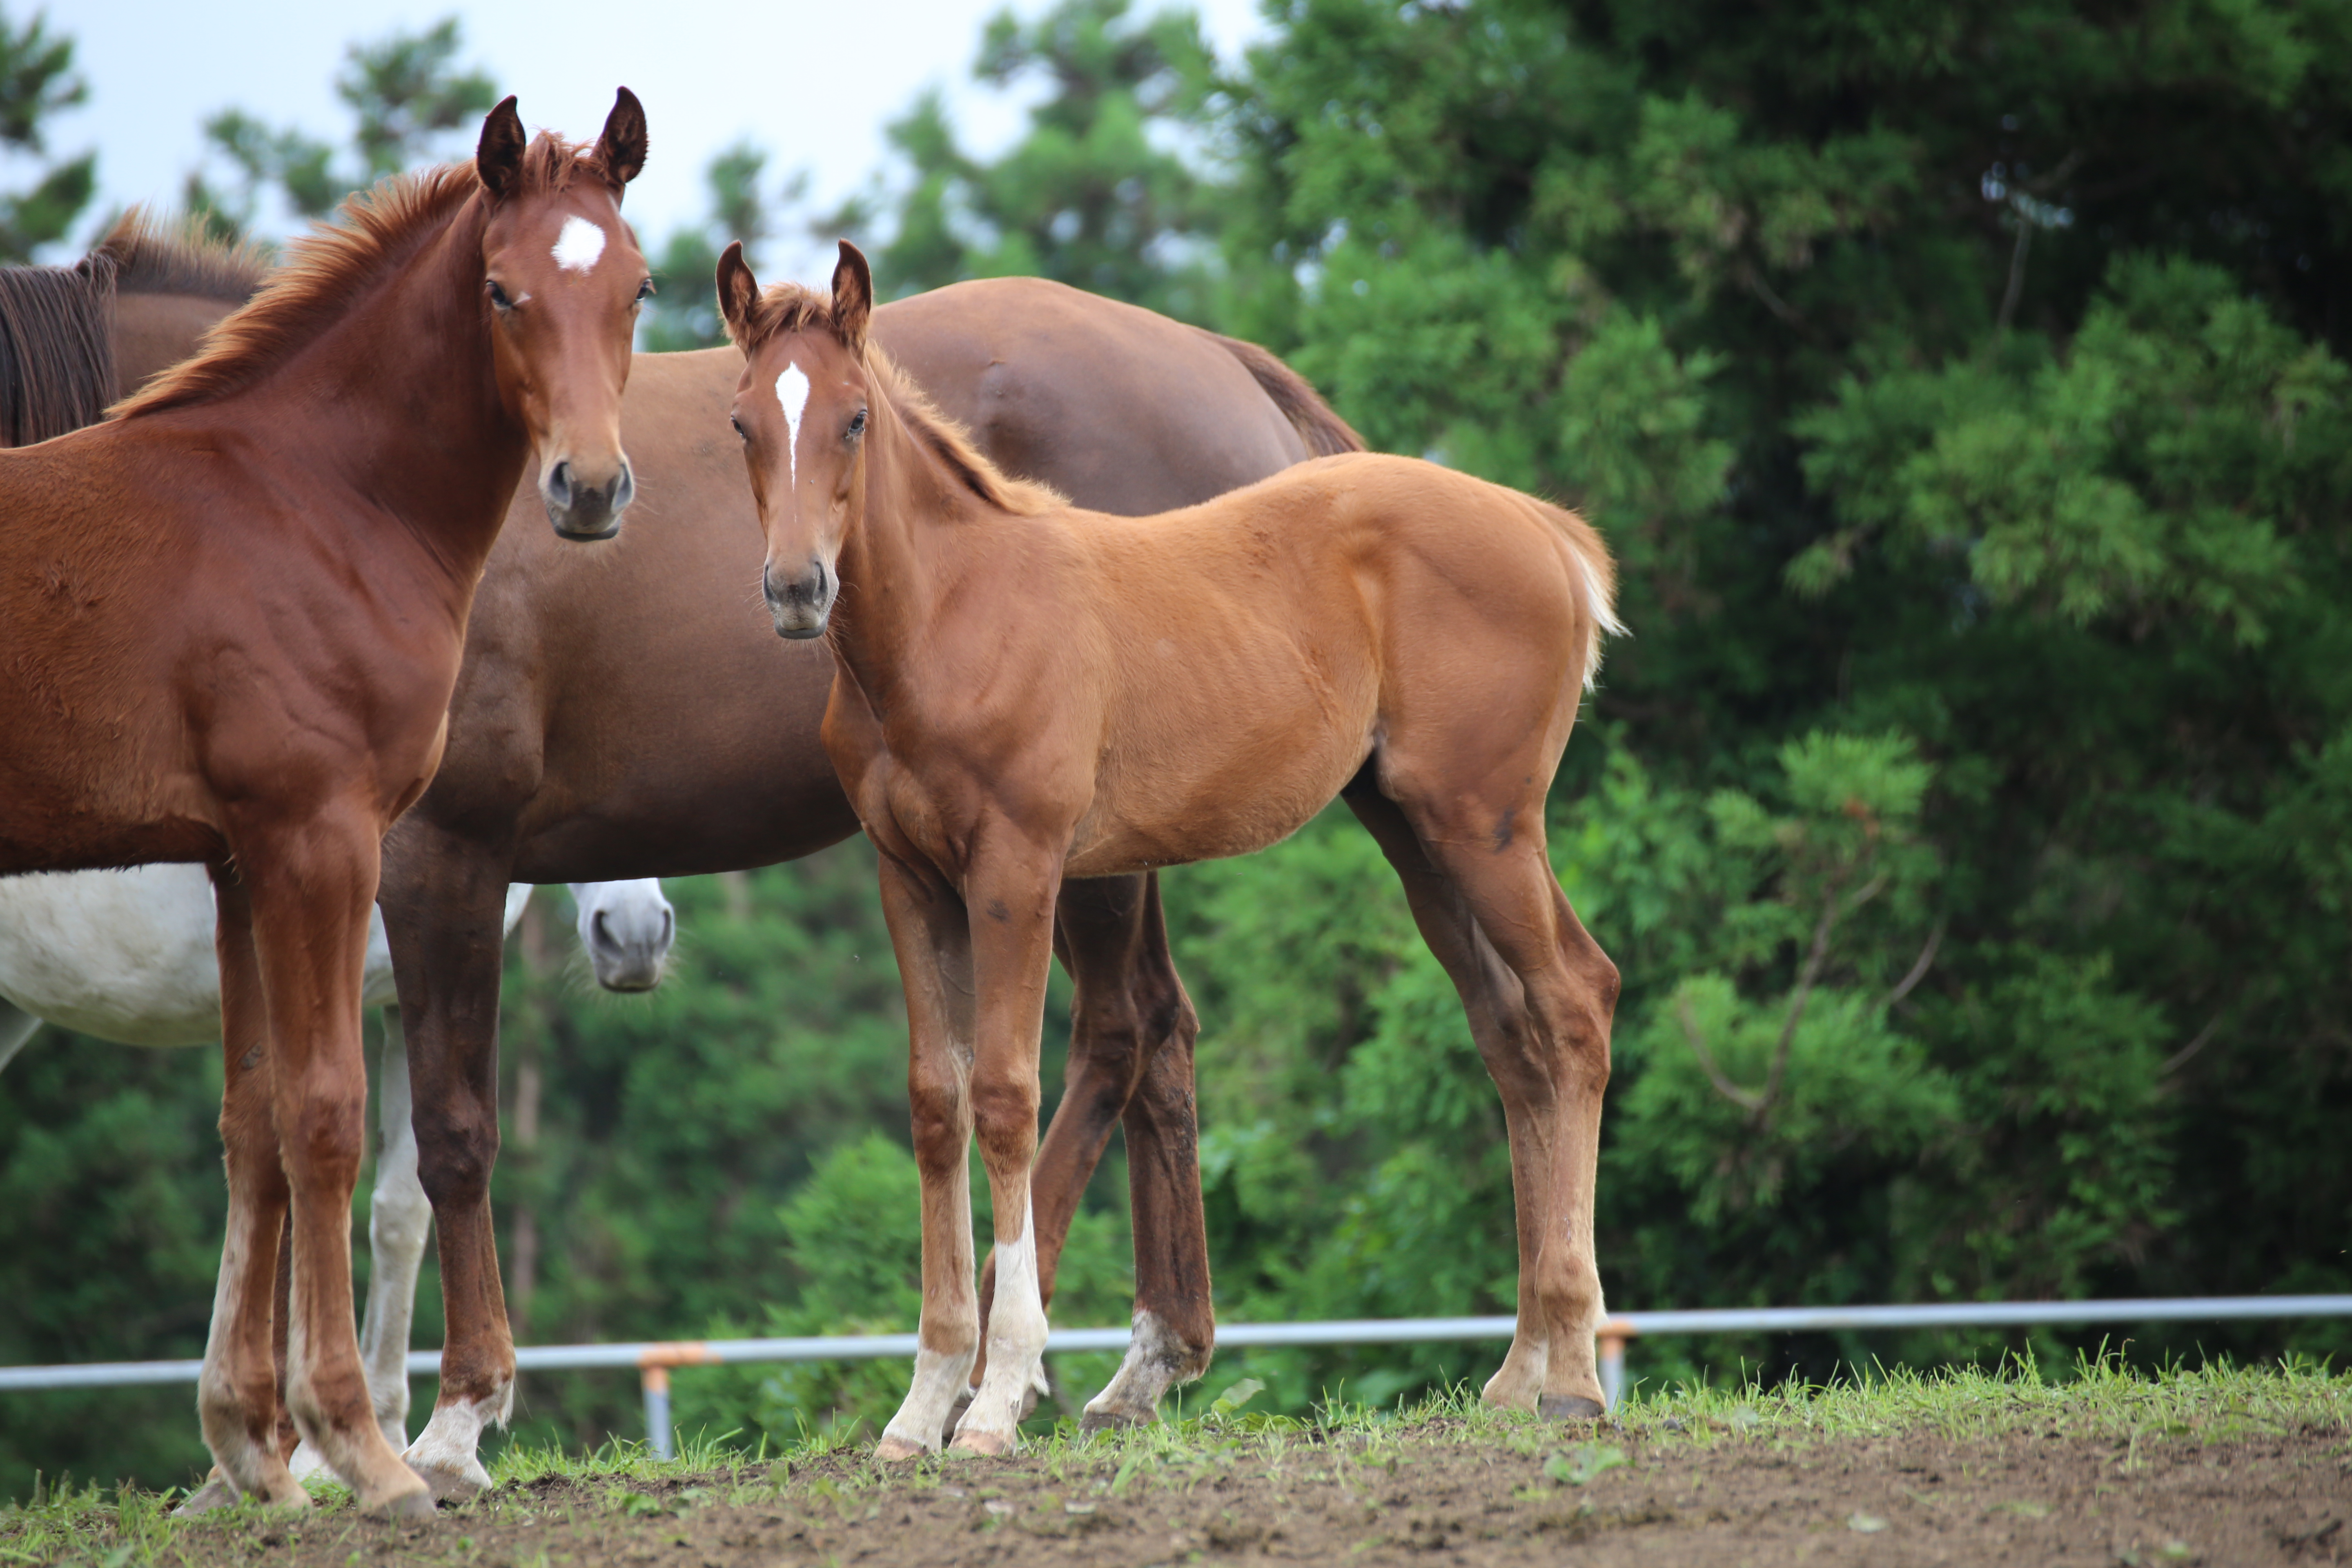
<point x="1436" y="1493"/>
<point x="2219" y="1466"/>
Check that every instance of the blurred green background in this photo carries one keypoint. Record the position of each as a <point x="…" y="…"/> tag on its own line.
<point x="1963" y="390"/>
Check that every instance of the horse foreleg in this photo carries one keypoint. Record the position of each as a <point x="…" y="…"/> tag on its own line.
<point x="1010" y="891"/>
<point x="444" y="902"/>
<point x="1128" y="1007"/>
<point x="931" y="936"/>
<point x="312" y="883"/>
<point x="237" y="1394"/>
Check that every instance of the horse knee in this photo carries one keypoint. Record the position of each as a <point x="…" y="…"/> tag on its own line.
<point x="1004" y="1111"/>
<point x="397" y="1218"/>
<point x="328" y="1132"/>
<point x="455" y="1150"/>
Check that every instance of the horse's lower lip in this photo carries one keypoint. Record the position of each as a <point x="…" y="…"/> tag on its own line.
<point x="609" y="531"/>
<point x="801" y="634"/>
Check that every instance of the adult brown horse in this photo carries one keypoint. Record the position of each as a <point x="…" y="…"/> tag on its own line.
<point x="75" y="339"/>
<point x="1027" y="694"/>
<point x="235" y="614"/>
<point x="628" y="711"/>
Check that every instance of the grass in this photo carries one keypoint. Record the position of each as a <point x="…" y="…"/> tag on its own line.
<point x="2103" y="1400"/>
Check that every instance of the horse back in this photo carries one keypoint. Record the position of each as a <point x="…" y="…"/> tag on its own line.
<point x="1191" y="421"/>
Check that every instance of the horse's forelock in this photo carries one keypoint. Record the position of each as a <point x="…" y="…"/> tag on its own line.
<point x="787" y="308"/>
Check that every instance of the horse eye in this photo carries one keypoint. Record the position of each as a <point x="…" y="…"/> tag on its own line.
<point x="499" y="297"/>
<point x="740" y="432"/>
<point x="858" y="425"/>
<point x="645" y="291"/>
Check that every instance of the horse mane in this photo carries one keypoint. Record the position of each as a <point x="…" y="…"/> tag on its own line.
<point x="329" y="269"/>
<point x="181" y="256"/>
<point x="56" y="348"/>
<point x="790" y="308"/>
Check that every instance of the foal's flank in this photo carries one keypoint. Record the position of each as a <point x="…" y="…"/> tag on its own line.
<point x="1025" y="692"/>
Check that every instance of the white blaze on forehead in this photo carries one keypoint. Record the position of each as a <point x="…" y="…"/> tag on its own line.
<point x="579" y="246"/>
<point x="793" y="392"/>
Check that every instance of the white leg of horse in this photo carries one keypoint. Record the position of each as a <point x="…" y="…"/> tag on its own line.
<point x="398" y="1218"/>
<point x="17" y="1027"/>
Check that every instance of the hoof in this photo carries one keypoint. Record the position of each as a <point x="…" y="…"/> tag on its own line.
<point x="995" y="1445"/>
<point x="897" y="1450"/>
<point x="1570" y="1407"/>
<point x="410" y="1507"/>
<point x="451" y="1487"/>
<point x="1095" y="1421"/>
<point x="215" y="1493"/>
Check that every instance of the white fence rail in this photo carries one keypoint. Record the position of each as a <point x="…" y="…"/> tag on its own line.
<point x="653" y="1359"/>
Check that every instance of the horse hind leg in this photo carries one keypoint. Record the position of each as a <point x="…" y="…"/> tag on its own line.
<point x="444" y="899"/>
<point x="1540" y="994"/>
<point x="1131" y="1040"/>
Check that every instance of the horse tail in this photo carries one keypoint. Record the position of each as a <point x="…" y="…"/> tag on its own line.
<point x="56" y="348"/>
<point x="1596" y="581"/>
<point x="1325" y="434"/>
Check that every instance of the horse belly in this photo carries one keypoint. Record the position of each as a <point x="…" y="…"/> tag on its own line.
<point x="124" y="955"/>
<point x="1198" y="800"/>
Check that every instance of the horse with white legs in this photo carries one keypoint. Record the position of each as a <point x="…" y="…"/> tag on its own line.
<point x="128" y="956"/>
<point x="1026" y="693"/>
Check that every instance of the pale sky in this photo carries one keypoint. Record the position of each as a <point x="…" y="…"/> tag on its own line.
<point x="813" y="83"/>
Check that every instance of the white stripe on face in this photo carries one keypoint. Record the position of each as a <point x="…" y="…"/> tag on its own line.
<point x="579" y="246"/>
<point x="793" y="392"/>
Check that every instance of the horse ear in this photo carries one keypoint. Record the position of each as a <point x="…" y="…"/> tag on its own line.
<point x="738" y="292"/>
<point x="498" y="160"/>
<point x="622" y="148"/>
<point x="853" y="296"/>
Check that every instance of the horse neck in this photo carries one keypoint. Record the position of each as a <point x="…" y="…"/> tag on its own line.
<point x="899" y="567"/>
<point x="409" y="371"/>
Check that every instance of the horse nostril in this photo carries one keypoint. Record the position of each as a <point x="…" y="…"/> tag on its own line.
<point x="603" y="934"/>
<point x="624" y="489"/>
<point x="559" y="484"/>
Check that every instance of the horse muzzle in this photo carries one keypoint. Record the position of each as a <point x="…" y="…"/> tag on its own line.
<point x="628" y="949"/>
<point x="584" y="509"/>
<point x="799" y="603"/>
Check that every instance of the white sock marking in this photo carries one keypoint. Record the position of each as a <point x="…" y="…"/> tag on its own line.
<point x="793" y="392"/>
<point x="1016" y="1334"/>
<point x="579" y="246"/>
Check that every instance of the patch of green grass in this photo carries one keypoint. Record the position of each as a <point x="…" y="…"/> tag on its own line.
<point x="2103" y="1400"/>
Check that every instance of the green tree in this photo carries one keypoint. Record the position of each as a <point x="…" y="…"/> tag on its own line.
<point x="685" y="310"/>
<point x="1096" y="194"/>
<point x="411" y="101"/>
<point x="37" y="80"/>
<point x="1968" y="378"/>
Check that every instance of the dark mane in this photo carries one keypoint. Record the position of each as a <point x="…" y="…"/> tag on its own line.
<point x="790" y="308"/>
<point x="180" y="256"/>
<point x="56" y="348"/>
<point x="330" y="267"/>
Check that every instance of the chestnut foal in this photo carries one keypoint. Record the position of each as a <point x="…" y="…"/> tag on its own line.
<point x="1025" y="692"/>
<point x="234" y="614"/>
